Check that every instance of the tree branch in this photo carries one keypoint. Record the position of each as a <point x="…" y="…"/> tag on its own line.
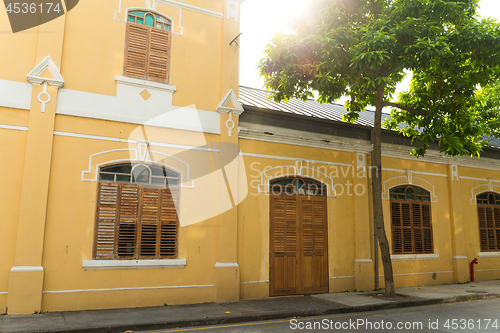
<point x="406" y="108"/>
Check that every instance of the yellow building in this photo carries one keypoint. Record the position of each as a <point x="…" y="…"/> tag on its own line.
<point x="134" y="177"/>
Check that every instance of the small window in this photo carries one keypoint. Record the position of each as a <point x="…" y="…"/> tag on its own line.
<point x="411" y="220"/>
<point x="136" y="212"/>
<point x="488" y="208"/>
<point x="297" y="185"/>
<point x="147" y="46"/>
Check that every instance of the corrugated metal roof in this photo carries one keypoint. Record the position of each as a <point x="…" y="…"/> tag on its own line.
<point x="310" y="108"/>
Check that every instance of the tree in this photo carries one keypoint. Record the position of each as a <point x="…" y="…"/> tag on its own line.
<point x="361" y="49"/>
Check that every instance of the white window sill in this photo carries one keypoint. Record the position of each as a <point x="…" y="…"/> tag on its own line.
<point x="144" y="83"/>
<point x="405" y="257"/>
<point x="133" y="264"/>
<point x="489" y="255"/>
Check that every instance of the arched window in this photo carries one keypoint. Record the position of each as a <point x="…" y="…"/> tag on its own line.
<point x="136" y="214"/>
<point x="488" y="208"/>
<point x="411" y="220"/>
<point x="297" y="185"/>
<point x="147" y="46"/>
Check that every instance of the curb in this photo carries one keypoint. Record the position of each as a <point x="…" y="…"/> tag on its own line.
<point x="234" y="319"/>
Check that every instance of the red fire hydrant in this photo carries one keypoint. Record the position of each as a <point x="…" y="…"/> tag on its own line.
<point x="472" y="263"/>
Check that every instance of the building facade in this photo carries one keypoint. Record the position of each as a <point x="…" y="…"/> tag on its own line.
<point x="138" y="173"/>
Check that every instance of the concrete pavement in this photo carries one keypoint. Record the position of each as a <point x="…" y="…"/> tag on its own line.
<point x="120" y="320"/>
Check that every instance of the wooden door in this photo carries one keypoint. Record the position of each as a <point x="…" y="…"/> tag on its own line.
<point x="298" y="245"/>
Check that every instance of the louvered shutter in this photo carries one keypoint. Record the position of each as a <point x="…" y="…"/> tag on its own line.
<point x="137" y="49"/>
<point x="127" y="220"/>
<point x="158" y="55"/>
<point x="427" y="228"/>
<point x="105" y="221"/>
<point x="397" y="232"/>
<point x="150" y="199"/>
<point x="169" y="222"/>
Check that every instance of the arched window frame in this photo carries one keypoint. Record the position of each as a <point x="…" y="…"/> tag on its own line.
<point x="136" y="220"/>
<point x="309" y="186"/>
<point x="147" y="47"/>
<point x="488" y="210"/>
<point x="411" y="220"/>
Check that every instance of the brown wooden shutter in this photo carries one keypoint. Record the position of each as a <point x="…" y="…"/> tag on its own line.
<point x="107" y="198"/>
<point x="159" y="55"/>
<point x="169" y="222"/>
<point x="427" y="228"/>
<point x="137" y="49"/>
<point x="397" y="233"/>
<point x="150" y="199"/>
<point x="127" y="220"/>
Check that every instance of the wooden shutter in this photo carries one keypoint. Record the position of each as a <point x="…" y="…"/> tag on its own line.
<point x="283" y="245"/>
<point x="150" y="199"/>
<point x="411" y="227"/>
<point x="137" y="49"/>
<point x="127" y="220"/>
<point x="107" y="198"/>
<point x="159" y="55"/>
<point x="169" y="222"/>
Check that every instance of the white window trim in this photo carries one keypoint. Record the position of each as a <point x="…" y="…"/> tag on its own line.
<point x="406" y="257"/>
<point x="144" y="83"/>
<point x="489" y="254"/>
<point x="133" y="264"/>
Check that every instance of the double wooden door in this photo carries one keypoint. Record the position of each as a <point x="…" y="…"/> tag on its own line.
<point x="298" y="245"/>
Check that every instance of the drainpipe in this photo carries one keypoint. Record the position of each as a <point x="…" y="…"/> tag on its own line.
<point x="472" y="263"/>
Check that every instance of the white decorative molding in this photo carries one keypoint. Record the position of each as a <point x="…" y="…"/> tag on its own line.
<point x="488" y="187"/>
<point x="442" y="272"/>
<point x="142" y="149"/>
<point x="46" y="94"/>
<point x="268" y="175"/>
<point x="488" y="254"/>
<point x="405" y="180"/>
<point x="252" y="282"/>
<point x="123" y="289"/>
<point x="233" y="9"/>
<point x="12" y="127"/>
<point x="304" y="141"/>
<point x="286" y="158"/>
<point x="132" y="154"/>
<point x="408" y="257"/>
<point x="237" y="109"/>
<point x="16" y="95"/>
<point x="459" y="257"/>
<point x="298" y="166"/>
<point x="133" y="264"/>
<point x="360" y="161"/>
<point x="151" y="6"/>
<point x="363" y="260"/>
<point x="106" y="138"/>
<point x="129" y="106"/>
<point x="230" y="124"/>
<point x="144" y="84"/>
<point x="34" y="77"/>
<point x="226" y="264"/>
<point x="415" y="172"/>
<point x="308" y="139"/>
<point x="27" y="269"/>
<point x="454" y="172"/>
<point x="3" y="293"/>
<point x="342" y="277"/>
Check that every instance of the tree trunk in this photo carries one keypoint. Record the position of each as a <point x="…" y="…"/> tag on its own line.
<point x="377" y="194"/>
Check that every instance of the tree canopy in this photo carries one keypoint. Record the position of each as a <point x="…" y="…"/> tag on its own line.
<point x="351" y="47"/>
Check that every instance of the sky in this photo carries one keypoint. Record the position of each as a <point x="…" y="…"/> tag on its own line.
<point x="261" y="19"/>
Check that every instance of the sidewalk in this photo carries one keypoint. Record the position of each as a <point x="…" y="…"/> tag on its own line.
<point x="120" y="320"/>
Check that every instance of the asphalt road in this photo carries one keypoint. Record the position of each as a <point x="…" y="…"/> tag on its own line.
<point x="474" y="316"/>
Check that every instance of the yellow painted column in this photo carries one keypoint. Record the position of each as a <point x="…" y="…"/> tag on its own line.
<point x="26" y="277"/>
<point x="460" y="261"/>
<point x="227" y="270"/>
<point x="363" y="263"/>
